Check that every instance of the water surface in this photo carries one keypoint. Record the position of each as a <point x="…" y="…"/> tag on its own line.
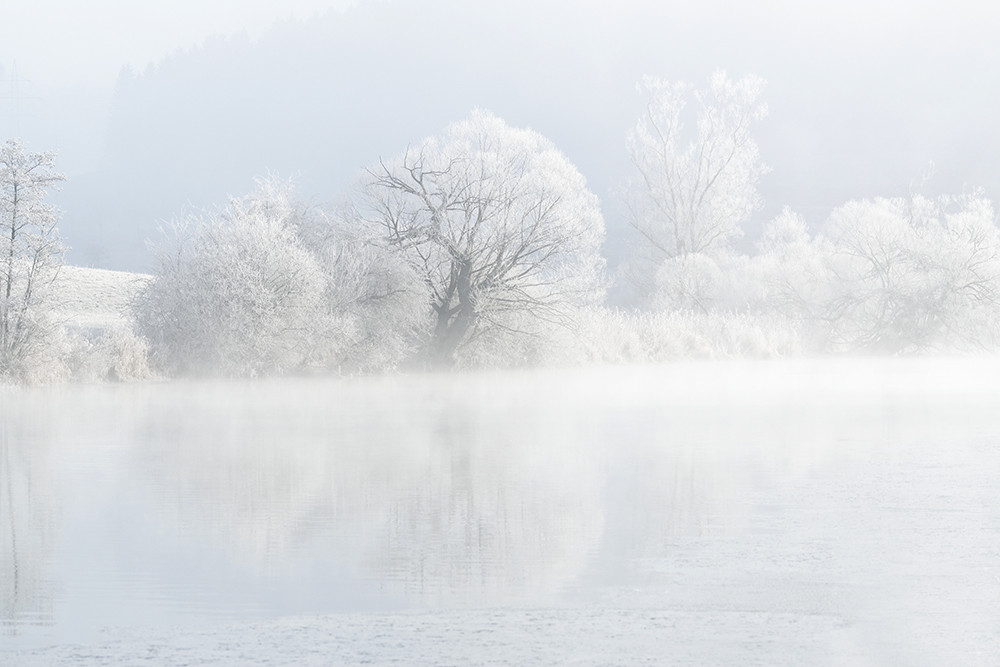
<point x="863" y="493"/>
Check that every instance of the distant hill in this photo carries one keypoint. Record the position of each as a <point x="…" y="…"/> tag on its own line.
<point x="91" y="299"/>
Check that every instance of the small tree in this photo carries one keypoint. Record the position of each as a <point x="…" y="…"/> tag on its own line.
<point x="31" y="254"/>
<point x="500" y="227"/>
<point x="690" y="194"/>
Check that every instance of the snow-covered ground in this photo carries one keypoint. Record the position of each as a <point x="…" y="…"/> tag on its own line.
<point x="94" y="298"/>
<point x="771" y="513"/>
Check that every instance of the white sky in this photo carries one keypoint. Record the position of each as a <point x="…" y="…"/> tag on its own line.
<point x="87" y="42"/>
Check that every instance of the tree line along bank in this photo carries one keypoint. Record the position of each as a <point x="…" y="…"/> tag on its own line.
<point x="481" y="247"/>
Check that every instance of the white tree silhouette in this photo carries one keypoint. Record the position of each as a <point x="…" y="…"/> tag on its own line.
<point x="499" y="225"/>
<point x="691" y="192"/>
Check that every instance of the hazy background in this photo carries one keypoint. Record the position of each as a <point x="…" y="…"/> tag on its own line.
<point x="161" y="108"/>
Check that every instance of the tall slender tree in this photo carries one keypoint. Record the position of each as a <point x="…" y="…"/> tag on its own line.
<point x="30" y="253"/>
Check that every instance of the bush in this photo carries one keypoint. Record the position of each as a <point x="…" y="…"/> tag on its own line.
<point x="116" y="354"/>
<point x="237" y="295"/>
<point x="268" y="286"/>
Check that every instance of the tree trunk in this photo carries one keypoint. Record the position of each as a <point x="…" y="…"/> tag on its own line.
<point x="454" y="322"/>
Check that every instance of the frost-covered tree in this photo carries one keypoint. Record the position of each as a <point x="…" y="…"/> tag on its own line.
<point x="688" y="282"/>
<point x="914" y="274"/>
<point x="372" y="294"/>
<point x="235" y="293"/>
<point x="501" y="228"/>
<point x="269" y="286"/>
<point x="30" y="256"/>
<point x="691" y="190"/>
<point x="792" y="268"/>
<point x="896" y="275"/>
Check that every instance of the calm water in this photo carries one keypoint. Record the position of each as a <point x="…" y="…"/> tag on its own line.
<point x="200" y="502"/>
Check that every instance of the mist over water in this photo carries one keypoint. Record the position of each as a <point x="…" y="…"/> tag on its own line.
<point x="783" y="487"/>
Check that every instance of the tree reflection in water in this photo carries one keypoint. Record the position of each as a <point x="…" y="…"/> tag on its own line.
<point x="437" y="497"/>
<point x="26" y="528"/>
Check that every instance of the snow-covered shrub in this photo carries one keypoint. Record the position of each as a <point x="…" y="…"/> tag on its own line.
<point x="235" y="294"/>
<point x="793" y="279"/>
<point x="375" y="301"/>
<point x="688" y="282"/>
<point x="269" y="286"/>
<point x="915" y="274"/>
<point x="43" y="362"/>
<point x="723" y="282"/>
<point x="115" y="354"/>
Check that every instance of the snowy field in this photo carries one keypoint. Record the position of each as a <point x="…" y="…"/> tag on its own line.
<point x="720" y="513"/>
<point x="94" y="298"/>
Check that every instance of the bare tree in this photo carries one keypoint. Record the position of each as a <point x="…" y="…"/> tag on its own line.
<point x="30" y="252"/>
<point x="499" y="225"/>
<point x="690" y="193"/>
